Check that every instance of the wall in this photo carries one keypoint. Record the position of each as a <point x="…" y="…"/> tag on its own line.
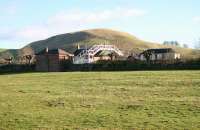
<point x="47" y="63"/>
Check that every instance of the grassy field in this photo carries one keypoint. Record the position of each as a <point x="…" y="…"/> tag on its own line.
<point x="100" y="100"/>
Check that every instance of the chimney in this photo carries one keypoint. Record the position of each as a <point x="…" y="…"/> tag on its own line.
<point x="47" y="50"/>
<point x="78" y="47"/>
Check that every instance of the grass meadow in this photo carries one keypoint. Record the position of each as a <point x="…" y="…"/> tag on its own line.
<point x="100" y="100"/>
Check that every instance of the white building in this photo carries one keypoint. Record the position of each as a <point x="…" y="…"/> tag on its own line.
<point x="164" y="54"/>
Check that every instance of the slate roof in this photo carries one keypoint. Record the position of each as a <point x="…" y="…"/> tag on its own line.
<point x="104" y="53"/>
<point x="162" y="50"/>
<point x="78" y="51"/>
<point x="100" y="53"/>
<point x="54" y="51"/>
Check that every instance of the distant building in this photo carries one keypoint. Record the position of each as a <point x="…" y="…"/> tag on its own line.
<point x="51" y="60"/>
<point x="96" y="53"/>
<point x="163" y="54"/>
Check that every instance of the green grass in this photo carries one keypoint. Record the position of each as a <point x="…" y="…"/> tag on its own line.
<point x="100" y="100"/>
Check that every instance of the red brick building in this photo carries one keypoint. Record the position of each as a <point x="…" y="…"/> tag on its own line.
<point x="51" y="60"/>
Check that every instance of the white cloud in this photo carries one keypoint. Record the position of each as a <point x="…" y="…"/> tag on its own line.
<point x="32" y="32"/>
<point x="11" y="8"/>
<point x="196" y="19"/>
<point x="67" y="21"/>
<point x="79" y="16"/>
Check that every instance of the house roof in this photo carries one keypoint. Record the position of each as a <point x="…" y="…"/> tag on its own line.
<point x="100" y="53"/>
<point x="78" y="51"/>
<point x="161" y="50"/>
<point x="104" y="53"/>
<point x="54" y="51"/>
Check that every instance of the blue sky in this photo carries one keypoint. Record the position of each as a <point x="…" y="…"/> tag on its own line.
<point x="25" y="21"/>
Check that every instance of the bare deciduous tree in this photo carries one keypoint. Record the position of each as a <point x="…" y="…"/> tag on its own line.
<point x="147" y="55"/>
<point x="172" y="43"/>
<point x="28" y="58"/>
<point x="185" y="45"/>
<point x="9" y="60"/>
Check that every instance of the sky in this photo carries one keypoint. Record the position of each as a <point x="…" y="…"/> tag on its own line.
<point x="25" y="21"/>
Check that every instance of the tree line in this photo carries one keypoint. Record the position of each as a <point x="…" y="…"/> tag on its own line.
<point x="196" y="44"/>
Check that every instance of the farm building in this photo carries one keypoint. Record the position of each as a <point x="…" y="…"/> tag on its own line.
<point x="51" y="60"/>
<point x="96" y="53"/>
<point x="163" y="54"/>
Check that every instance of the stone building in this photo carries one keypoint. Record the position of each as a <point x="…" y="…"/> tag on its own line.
<point x="51" y="60"/>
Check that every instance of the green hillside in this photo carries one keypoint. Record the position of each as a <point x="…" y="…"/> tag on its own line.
<point x="9" y="53"/>
<point x="1" y="50"/>
<point x="126" y="42"/>
<point x="69" y="41"/>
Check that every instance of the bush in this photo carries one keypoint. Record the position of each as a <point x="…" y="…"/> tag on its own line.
<point x="17" y="68"/>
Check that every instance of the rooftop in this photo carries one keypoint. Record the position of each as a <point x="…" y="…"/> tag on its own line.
<point x="161" y="50"/>
<point x="54" y="51"/>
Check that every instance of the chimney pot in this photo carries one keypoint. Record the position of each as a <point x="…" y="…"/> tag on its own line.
<point x="47" y="50"/>
<point x="78" y="47"/>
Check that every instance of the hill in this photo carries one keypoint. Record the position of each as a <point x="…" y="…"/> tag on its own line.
<point x="1" y="50"/>
<point x="126" y="42"/>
